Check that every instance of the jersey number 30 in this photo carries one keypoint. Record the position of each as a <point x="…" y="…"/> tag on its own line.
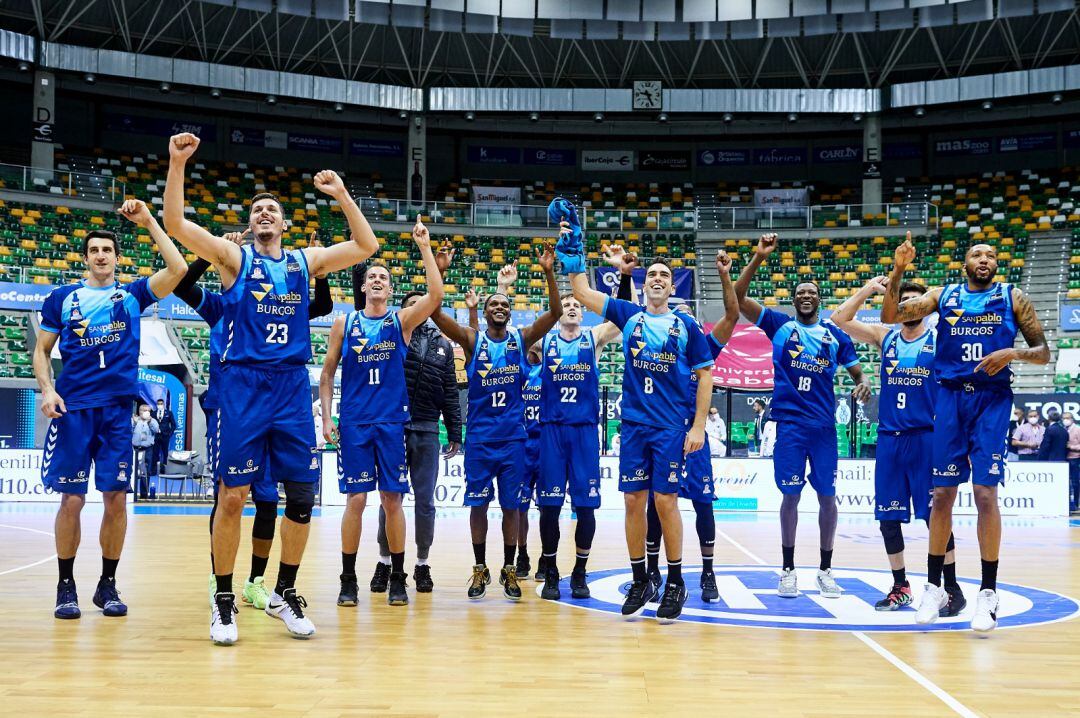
<point x="971" y="352"/>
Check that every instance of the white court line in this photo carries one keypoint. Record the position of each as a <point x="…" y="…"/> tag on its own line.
<point x="35" y="563"/>
<point x="910" y="672"/>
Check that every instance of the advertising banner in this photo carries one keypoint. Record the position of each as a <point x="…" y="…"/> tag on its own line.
<point x="664" y="160"/>
<point x="962" y="147"/>
<point x="14" y="295"/>
<point x="718" y="158"/>
<point x="746" y="362"/>
<point x="1027" y="143"/>
<point x="315" y="143"/>
<point x="903" y="150"/>
<point x="1072" y="138"/>
<point x="550" y="157"/>
<point x="157" y="126"/>
<point x="838" y="153"/>
<point x="607" y="280"/>
<point x="607" y="160"/>
<point x="774" y="156"/>
<point x="504" y="196"/>
<point x="1069" y="316"/>
<point x="376" y="148"/>
<point x="795" y="197"/>
<point x="155" y="384"/>
<point x="20" y="478"/>
<point x="270" y="139"/>
<point x="487" y="155"/>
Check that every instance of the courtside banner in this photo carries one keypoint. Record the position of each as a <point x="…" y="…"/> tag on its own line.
<point x="504" y="196"/>
<point x="20" y="478"/>
<point x="1030" y="489"/>
<point x="746" y="362"/>
<point x="607" y="160"/>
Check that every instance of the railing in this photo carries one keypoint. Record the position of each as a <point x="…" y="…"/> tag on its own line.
<point x="61" y="182"/>
<point x="828" y="216"/>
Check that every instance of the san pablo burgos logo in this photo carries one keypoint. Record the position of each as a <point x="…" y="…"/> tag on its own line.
<point x="748" y="599"/>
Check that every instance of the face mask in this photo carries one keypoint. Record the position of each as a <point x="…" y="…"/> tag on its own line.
<point x="145" y="415"/>
<point x="1033" y="420"/>
<point x="1067" y="422"/>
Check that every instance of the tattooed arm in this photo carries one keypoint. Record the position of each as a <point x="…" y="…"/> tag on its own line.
<point x="1038" y="351"/>
<point x="893" y="311"/>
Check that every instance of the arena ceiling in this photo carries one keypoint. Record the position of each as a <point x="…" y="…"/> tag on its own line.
<point x="429" y="43"/>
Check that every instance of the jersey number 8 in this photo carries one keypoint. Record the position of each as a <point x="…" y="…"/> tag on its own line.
<point x="648" y="385"/>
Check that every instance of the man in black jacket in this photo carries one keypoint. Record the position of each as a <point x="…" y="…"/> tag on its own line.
<point x="162" y="440"/>
<point x="1055" y="441"/>
<point x="432" y="384"/>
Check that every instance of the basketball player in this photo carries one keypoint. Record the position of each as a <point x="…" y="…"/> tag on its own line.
<point x="697" y="486"/>
<point x="208" y="305"/>
<point x="494" y="441"/>
<point x="662" y="349"/>
<point x="96" y="321"/>
<point x="806" y="354"/>
<point x="371" y="344"/>
<point x="903" y="467"/>
<point x="978" y="323"/>
<point x="266" y="422"/>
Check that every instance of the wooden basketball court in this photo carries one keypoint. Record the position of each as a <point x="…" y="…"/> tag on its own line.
<point x="446" y="655"/>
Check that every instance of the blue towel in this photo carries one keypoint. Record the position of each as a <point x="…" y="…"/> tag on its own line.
<point x="570" y="249"/>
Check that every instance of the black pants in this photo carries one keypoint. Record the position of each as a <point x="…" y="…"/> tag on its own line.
<point x="161" y="454"/>
<point x="1029" y="457"/>
<point x="422" y="456"/>
<point x="1074" y="484"/>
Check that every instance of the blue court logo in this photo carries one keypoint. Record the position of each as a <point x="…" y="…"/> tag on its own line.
<point x="748" y="598"/>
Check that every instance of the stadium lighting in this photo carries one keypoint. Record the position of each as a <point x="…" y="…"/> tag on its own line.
<point x="662" y="117"/>
<point x="215" y="93"/>
<point x="470" y="116"/>
<point x="534" y="117"/>
<point x="338" y="107"/>
<point x="403" y="115"/>
<point x="90" y="78"/>
<point x="728" y="117"/>
<point x="598" y="117"/>
<point x="792" y="117"/>
<point x="856" y="118"/>
<point x="1056" y="98"/>
<point x="987" y="105"/>
<point x="24" y="66"/>
<point x="165" y="88"/>
<point x="271" y="99"/>
<point x="920" y="112"/>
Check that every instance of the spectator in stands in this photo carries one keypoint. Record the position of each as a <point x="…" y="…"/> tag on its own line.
<point x="1055" y="439"/>
<point x="1073" y="457"/>
<point x="167" y="425"/>
<point x="716" y="430"/>
<point x="761" y="417"/>
<point x="144" y="432"/>
<point x="1018" y="419"/>
<point x="1028" y="436"/>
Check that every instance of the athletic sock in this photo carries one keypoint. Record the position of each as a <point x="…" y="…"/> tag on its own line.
<point x="674" y="572"/>
<point x="989" y="575"/>
<point x="258" y="566"/>
<point x="397" y="562"/>
<point x="789" y="557"/>
<point x="706" y="564"/>
<point x="899" y="576"/>
<point x="652" y="556"/>
<point x="523" y="552"/>
<point x="67" y="568"/>
<point x="224" y="583"/>
<point x="479" y="552"/>
<point x="934" y="566"/>
<point x="348" y="563"/>
<point x="211" y="562"/>
<point x="638" y="567"/>
<point x="421" y="561"/>
<point x="286" y="577"/>
<point x="108" y="567"/>
<point x="950" y="575"/>
<point x="826" y="560"/>
<point x="580" y="559"/>
<point x="509" y="550"/>
<point x="384" y="559"/>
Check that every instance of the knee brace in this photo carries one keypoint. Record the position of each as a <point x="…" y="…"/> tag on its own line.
<point x="894" y="537"/>
<point x="586" y="528"/>
<point x="705" y="523"/>
<point x="265" y="520"/>
<point x="299" y="501"/>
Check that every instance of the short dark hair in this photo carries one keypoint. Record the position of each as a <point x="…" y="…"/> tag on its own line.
<point x="661" y="260"/>
<point x="100" y="234"/>
<point x="913" y="287"/>
<point x="409" y="295"/>
<point x="759" y="402"/>
<point x="1053" y="415"/>
<point x="267" y="195"/>
<point x="808" y="281"/>
<point x="494" y="294"/>
<point x="161" y="401"/>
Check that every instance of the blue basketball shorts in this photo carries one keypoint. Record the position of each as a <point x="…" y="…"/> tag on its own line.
<point x="372" y="456"/>
<point x="266" y="432"/>
<point x="490" y="464"/>
<point x="971" y="430"/>
<point x="99" y="437"/>
<point x="795" y="445"/>
<point x="650" y="458"/>
<point x="569" y="463"/>
<point x="697" y="483"/>
<point x="264" y="491"/>
<point x="904" y="476"/>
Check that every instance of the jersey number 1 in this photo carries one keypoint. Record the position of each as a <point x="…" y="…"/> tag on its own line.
<point x="101" y="358"/>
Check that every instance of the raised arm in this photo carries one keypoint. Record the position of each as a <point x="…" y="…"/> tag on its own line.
<point x="323" y="260"/>
<point x="472" y="303"/>
<point x="722" y="330"/>
<point x="464" y="337"/>
<point x="52" y="404"/>
<point x="695" y="438"/>
<point x="546" y="321"/>
<point x="322" y="303"/>
<point x="892" y="310"/>
<point x="625" y="262"/>
<point x="163" y="281"/>
<point x="844" y="316"/>
<point x="225" y="255"/>
<point x="750" y="308"/>
<point x="1037" y="352"/>
<point x="414" y="316"/>
<point x="326" y="378"/>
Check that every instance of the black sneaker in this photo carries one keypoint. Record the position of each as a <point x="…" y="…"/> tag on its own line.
<point x="509" y="581"/>
<point x="381" y="577"/>
<point x="67" y="600"/>
<point x="350" y="591"/>
<point x="956" y="604"/>
<point x="541" y="570"/>
<point x="672" y="602"/>
<point x="422" y="577"/>
<point x="578" y="587"/>
<point x="656" y="580"/>
<point x="108" y="600"/>
<point x="397" y="596"/>
<point x="478" y="582"/>
<point x="550" y="591"/>
<point x="523" y="567"/>
<point x="708" y="587"/>
<point x="640" y="593"/>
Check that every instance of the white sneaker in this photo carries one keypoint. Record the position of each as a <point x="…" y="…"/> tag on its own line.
<point x="290" y="609"/>
<point x="986" y="606"/>
<point x="827" y="585"/>
<point x="934" y="599"/>
<point x="789" y="584"/>
<point x="223" y="610"/>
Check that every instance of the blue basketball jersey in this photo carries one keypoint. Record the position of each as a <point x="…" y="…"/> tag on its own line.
<point x="211" y="308"/>
<point x="973" y="325"/>
<point x="805" y="360"/>
<point x="661" y="351"/>
<point x="571" y="392"/>
<point x="99" y="340"/>
<point x="908" y="386"/>
<point x="532" y="392"/>
<point x="373" y="370"/>
<point x="715" y="347"/>
<point x="266" y="310"/>
<point x="496" y="378"/>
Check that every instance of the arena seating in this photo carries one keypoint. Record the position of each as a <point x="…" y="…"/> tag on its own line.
<point x="15" y="360"/>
